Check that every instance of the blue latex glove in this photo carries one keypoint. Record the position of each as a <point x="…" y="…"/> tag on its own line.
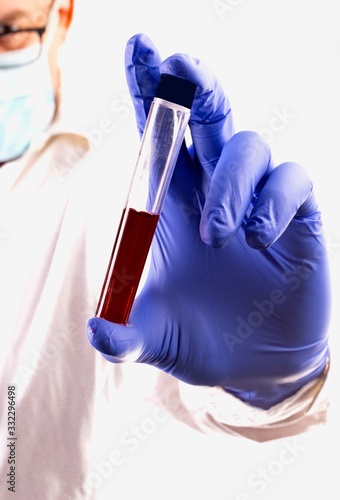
<point x="238" y="293"/>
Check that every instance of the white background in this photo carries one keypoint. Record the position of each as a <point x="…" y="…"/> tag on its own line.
<point x="269" y="56"/>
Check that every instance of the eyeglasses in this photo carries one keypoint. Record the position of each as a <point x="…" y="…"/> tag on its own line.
<point x="21" y="46"/>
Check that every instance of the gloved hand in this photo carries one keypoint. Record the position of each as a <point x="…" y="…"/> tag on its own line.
<point x="238" y="292"/>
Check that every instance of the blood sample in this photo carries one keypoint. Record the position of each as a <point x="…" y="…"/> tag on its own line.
<point x="161" y="142"/>
<point x="139" y="228"/>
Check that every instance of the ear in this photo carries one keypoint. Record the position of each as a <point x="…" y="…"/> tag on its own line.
<point x="65" y="16"/>
<point x="65" y="10"/>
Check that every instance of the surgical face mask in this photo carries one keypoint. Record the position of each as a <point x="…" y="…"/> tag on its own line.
<point x="27" y="102"/>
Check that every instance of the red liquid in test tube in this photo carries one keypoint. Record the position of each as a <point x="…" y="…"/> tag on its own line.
<point x="163" y="136"/>
<point x="133" y="250"/>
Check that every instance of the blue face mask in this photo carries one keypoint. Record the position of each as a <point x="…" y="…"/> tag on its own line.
<point x="27" y="102"/>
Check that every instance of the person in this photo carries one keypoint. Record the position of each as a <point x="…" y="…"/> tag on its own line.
<point x="233" y="316"/>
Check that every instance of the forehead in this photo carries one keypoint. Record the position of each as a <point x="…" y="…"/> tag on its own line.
<point x="19" y="10"/>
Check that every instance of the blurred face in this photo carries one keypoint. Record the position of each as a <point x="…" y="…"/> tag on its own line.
<point x="31" y="33"/>
<point x="22" y="14"/>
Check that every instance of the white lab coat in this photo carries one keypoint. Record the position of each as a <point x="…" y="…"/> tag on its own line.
<point x="51" y="269"/>
<point x="60" y="205"/>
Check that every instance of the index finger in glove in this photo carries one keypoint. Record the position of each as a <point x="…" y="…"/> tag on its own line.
<point x="211" y="120"/>
<point x="142" y="68"/>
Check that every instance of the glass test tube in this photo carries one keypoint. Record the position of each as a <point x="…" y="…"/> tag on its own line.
<point x="161" y="142"/>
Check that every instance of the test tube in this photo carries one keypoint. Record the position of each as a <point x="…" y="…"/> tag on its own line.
<point x="160" y="145"/>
